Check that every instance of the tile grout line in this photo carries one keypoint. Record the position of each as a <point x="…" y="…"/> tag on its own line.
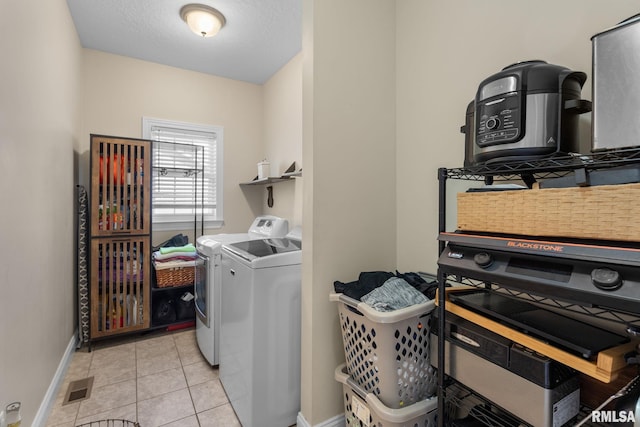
<point x="195" y="411"/>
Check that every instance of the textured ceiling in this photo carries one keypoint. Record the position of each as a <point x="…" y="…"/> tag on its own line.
<point x="260" y="36"/>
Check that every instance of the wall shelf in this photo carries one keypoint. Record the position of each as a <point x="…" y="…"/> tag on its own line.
<point x="269" y="180"/>
<point x="291" y="172"/>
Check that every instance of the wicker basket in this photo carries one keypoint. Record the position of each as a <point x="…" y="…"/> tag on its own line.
<point x="608" y="212"/>
<point x="179" y="276"/>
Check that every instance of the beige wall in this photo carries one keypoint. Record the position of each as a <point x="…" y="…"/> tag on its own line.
<point x="39" y="98"/>
<point x="119" y="91"/>
<point x="444" y="50"/>
<point x="349" y="210"/>
<point x="283" y="139"/>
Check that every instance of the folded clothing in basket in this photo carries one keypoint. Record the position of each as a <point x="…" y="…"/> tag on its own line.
<point x="175" y="257"/>
<point x="177" y="240"/>
<point x="171" y="249"/>
<point x="386" y="291"/>
<point x="174" y="264"/>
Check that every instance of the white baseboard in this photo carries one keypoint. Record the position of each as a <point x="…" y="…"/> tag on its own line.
<point x="337" y="421"/>
<point x="40" y="419"/>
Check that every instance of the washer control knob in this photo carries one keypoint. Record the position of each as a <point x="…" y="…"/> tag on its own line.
<point x="606" y="279"/>
<point x="483" y="259"/>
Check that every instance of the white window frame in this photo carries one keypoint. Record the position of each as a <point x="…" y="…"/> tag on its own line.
<point x="164" y="222"/>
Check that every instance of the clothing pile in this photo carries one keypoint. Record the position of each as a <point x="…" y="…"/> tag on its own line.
<point x="177" y="240"/>
<point x="175" y="257"/>
<point x="385" y="291"/>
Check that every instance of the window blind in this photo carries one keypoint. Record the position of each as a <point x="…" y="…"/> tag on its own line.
<point x="184" y="182"/>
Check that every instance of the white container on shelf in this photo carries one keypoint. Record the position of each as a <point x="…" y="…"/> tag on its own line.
<point x="264" y="169"/>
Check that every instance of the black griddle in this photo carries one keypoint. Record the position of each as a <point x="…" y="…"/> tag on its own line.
<point x="562" y="331"/>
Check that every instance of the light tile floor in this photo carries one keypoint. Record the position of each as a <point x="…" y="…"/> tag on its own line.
<point x="159" y="379"/>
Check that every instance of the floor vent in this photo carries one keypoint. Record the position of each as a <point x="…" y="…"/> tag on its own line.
<point x="78" y="390"/>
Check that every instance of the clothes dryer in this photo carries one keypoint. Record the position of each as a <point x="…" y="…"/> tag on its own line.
<point x="260" y="330"/>
<point x="208" y="279"/>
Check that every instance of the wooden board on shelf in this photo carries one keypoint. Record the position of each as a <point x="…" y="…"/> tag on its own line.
<point x="606" y="367"/>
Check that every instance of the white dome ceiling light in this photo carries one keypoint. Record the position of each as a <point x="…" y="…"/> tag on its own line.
<point x="203" y="20"/>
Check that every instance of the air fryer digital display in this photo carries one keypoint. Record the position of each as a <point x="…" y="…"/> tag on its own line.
<point x="498" y="88"/>
<point x="499" y="114"/>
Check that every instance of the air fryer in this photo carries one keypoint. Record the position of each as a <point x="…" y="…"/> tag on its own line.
<point x="528" y="110"/>
<point x="469" y="135"/>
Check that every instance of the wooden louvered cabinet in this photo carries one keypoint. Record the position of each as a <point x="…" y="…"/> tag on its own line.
<point x="120" y="212"/>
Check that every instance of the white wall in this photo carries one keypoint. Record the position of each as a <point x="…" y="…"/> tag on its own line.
<point x="39" y="98"/>
<point x="444" y="50"/>
<point x="119" y="91"/>
<point x="283" y="139"/>
<point x="349" y="186"/>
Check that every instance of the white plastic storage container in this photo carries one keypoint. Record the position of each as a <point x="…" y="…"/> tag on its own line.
<point x="364" y="409"/>
<point x="387" y="353"/>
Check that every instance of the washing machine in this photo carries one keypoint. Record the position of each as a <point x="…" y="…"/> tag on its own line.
<point x="208" y="279"/>
<point x="260" y="329"/>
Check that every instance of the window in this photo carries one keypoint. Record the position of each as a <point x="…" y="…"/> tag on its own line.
<point x="187" y="180"/>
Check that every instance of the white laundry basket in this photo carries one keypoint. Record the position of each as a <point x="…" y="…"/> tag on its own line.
<point x="387" y="353"/>
<point x="365" y="410"/>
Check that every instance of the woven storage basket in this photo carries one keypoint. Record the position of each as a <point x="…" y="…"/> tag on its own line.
<point x="387" y="353"/>
<point x="607" y="212"/>
<point x="364" y="409"/>
<point x="178" y="276"/>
